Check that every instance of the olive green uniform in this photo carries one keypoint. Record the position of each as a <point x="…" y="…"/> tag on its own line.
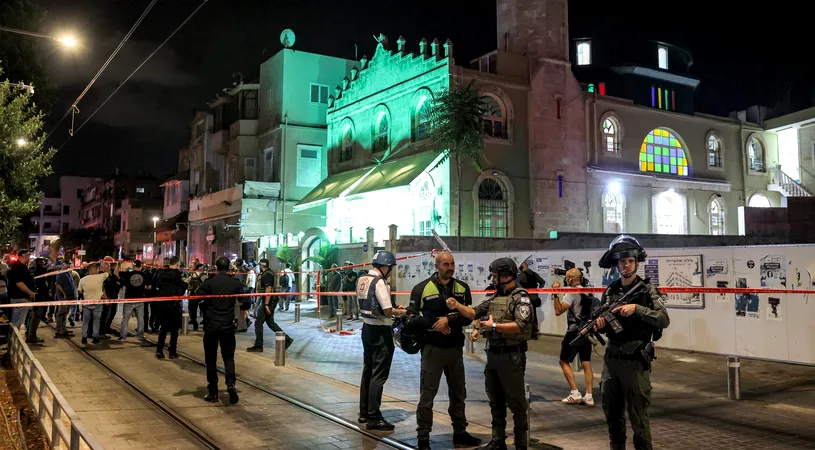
<point x="626" y="380"/>
<point x="506" y="362"/>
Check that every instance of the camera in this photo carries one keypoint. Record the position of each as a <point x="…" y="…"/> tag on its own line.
<point x="567" y="265"/>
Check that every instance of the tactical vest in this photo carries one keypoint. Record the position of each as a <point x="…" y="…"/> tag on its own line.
<point x="369" y="306"/>
<point x="634" y="329"/>
<point x="503" y="312"/>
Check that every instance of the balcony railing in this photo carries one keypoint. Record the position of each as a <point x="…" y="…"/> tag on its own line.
<point x="786" y="184"/>
<point x="58" y="420"/>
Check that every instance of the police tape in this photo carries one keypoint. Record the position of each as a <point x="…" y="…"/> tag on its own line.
<point x="561" y="291"/>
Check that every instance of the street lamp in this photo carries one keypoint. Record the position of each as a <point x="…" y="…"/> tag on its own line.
<point x="21" y="142"/>
<point x="155" y="237"/>
<point x="66" y="40"/>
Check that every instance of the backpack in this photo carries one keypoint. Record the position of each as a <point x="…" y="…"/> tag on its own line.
<point x="284" y="281"/>
<point x="588" y="303"/>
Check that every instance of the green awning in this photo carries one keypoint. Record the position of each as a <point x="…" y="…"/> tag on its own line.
<point x="331" y="188"/>
<point x="395" y="173"/>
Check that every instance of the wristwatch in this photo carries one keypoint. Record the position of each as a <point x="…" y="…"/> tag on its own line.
<point x="494" y="329"/>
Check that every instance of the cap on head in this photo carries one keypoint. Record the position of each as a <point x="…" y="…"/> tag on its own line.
<point x="21" y="253"/>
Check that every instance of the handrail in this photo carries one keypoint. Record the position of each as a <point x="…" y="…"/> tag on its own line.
<point x="59" y="422"/>
<point x="787" y="183"/>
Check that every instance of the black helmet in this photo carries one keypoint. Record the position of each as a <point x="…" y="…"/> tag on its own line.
<point x="504" y="266"/>
<point x="408" y="333"/>
<point x="623" y="246"/>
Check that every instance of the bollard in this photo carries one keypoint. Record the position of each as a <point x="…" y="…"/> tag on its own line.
<point x="733" y="378"/>
<point x="470" y="343"/>
<point x="280" y="349"/>
<point x="528" y="394"/>
<point x="185" y="323"/>
<point x="296" y="312"/>
<point x="339" y="323"/>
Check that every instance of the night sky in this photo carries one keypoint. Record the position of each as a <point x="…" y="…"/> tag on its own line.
<point x="144" y="125"/>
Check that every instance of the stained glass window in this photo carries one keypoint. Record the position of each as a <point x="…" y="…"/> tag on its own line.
<point x="662" y="152"/>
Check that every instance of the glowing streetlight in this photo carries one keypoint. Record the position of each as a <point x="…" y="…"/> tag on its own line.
<point x="68" y="41"/>
<point x="155" y="221"/>
<point x="21" y="142"/>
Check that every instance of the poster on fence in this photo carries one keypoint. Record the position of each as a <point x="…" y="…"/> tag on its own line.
<point x="746" y="304"/>
<point x="717" y="275"/>
<point x="682" y="271"/>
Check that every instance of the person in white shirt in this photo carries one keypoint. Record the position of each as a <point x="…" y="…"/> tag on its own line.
<point x="92" y="288"/>
<point x="578" y="307"/>
<point x="376" y="308"/>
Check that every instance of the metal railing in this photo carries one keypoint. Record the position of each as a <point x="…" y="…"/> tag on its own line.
<point x="58" y="421"/>
<point x="787" y="183"/>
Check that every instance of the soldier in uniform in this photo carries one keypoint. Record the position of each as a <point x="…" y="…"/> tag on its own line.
<point x="626" y="380"/>
<point x="507" y="328"/>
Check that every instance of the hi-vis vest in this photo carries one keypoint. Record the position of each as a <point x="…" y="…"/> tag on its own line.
<point x="431" y="291"/>
<point x="503" y="309"/>
<point x="366" y="296"/>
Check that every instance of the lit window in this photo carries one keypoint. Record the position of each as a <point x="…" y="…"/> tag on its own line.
<point x="422" y="120"/>
<point x="716" y="212"/>
<point x="611" y="137"/>
<point x="347" y="150"/>
<point x="662" y="54"/>
<point x="493" y="209"/>
<point x="584" y="53"/>
<point x="424" y="212"/>
<point x="759" y="201"/>
<point x="662" y="152"/>
<point x="714" y="151"/>
<point x="381" y="133"/>
<point x="319" y="93"/>
<point x="613" y="212"/>
<point x="669" y="213"/>
<point x="309" y="166"/>
<point x="755" y="154"/>
<point x="494" y="124"/>
<point x="140" y="190"/>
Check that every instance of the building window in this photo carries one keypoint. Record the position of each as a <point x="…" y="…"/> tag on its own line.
<point x="140" y="190"/>
<point x="422" y="120"/>
<point x="66" y="209"/>
<point x="611" y="135"/>
<point x="759" y="201"/>
<point x="424" y="211"/>
<point x="716" y="212"/>
<point x="613" y="212"/>
<point x="494" y="124"/>
<point x="309" y="166"/>
<point x="319" y="94"/>
<point x="493" y="209"/>
<point x="662" y="56"/>
<point x="347" y="150"/>
<point x="47" y="225"/>
<point x="669" y="213"/>
<point x="267" y="164"/>
<point x="714" y="151"/>
<point x="584" y="53"/>
<point x="249" y="105"/>
<point x="250" y="169"/>
<point x="662" y="152"/>
<point x="381" y="133"/>
<point x="755" y="155"/>
<point x="47" y="208"/>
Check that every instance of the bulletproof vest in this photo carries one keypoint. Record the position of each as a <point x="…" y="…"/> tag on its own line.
<point x="169" y="283"/>
<point x="369" y="306"/>
<point x="633" y="329"/>
<point x="502" y="308"/>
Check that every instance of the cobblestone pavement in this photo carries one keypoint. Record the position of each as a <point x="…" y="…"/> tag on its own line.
<point x="258" y="421"/>
<point x="690" y="406"/>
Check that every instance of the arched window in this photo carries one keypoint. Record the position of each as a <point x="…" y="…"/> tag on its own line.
<point x="347" y="150"/>
<point x="613" y="212"/>
<point x="494" y="119"/>
<point x="421" y="119"/>
<point x="716" y="212"/>
<point x="381" y="133"/>
<point x="714" y="151"/>
<point x="670" y="213"/>
<point x="662" y="152"/>
<point x="611" y="135"/>
<point x="755" y="155"/>
<point x="493" y="209"/>
<point x="759" y="201"/>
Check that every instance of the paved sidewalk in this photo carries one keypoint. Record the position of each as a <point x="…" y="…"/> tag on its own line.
<point x="690" y="408"/>
<point x="116" y="416"/>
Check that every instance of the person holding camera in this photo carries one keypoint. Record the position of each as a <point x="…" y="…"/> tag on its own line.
<point x="626" y="380"/>
<point x="578" y="307"/>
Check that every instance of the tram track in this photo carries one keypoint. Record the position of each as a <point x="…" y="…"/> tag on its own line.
<point x="207" y="441"/>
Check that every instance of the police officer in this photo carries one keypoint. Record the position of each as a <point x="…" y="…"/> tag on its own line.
<point x="376" y="308"/>
<point x="626" y="380"/>
<point x="442" y="352"/>
<point x="266" y="310"/>
<point x="508" y="326"/>
<point x="169" y="282"/>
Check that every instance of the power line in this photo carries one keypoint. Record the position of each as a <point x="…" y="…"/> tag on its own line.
<point x="134" y="71"/>
<point x="73" y="107"/>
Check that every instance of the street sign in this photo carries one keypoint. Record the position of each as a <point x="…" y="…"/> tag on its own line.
<point x="80" y="252"/>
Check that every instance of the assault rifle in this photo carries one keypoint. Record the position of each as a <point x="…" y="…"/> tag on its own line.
<point x="605" y="311"/>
